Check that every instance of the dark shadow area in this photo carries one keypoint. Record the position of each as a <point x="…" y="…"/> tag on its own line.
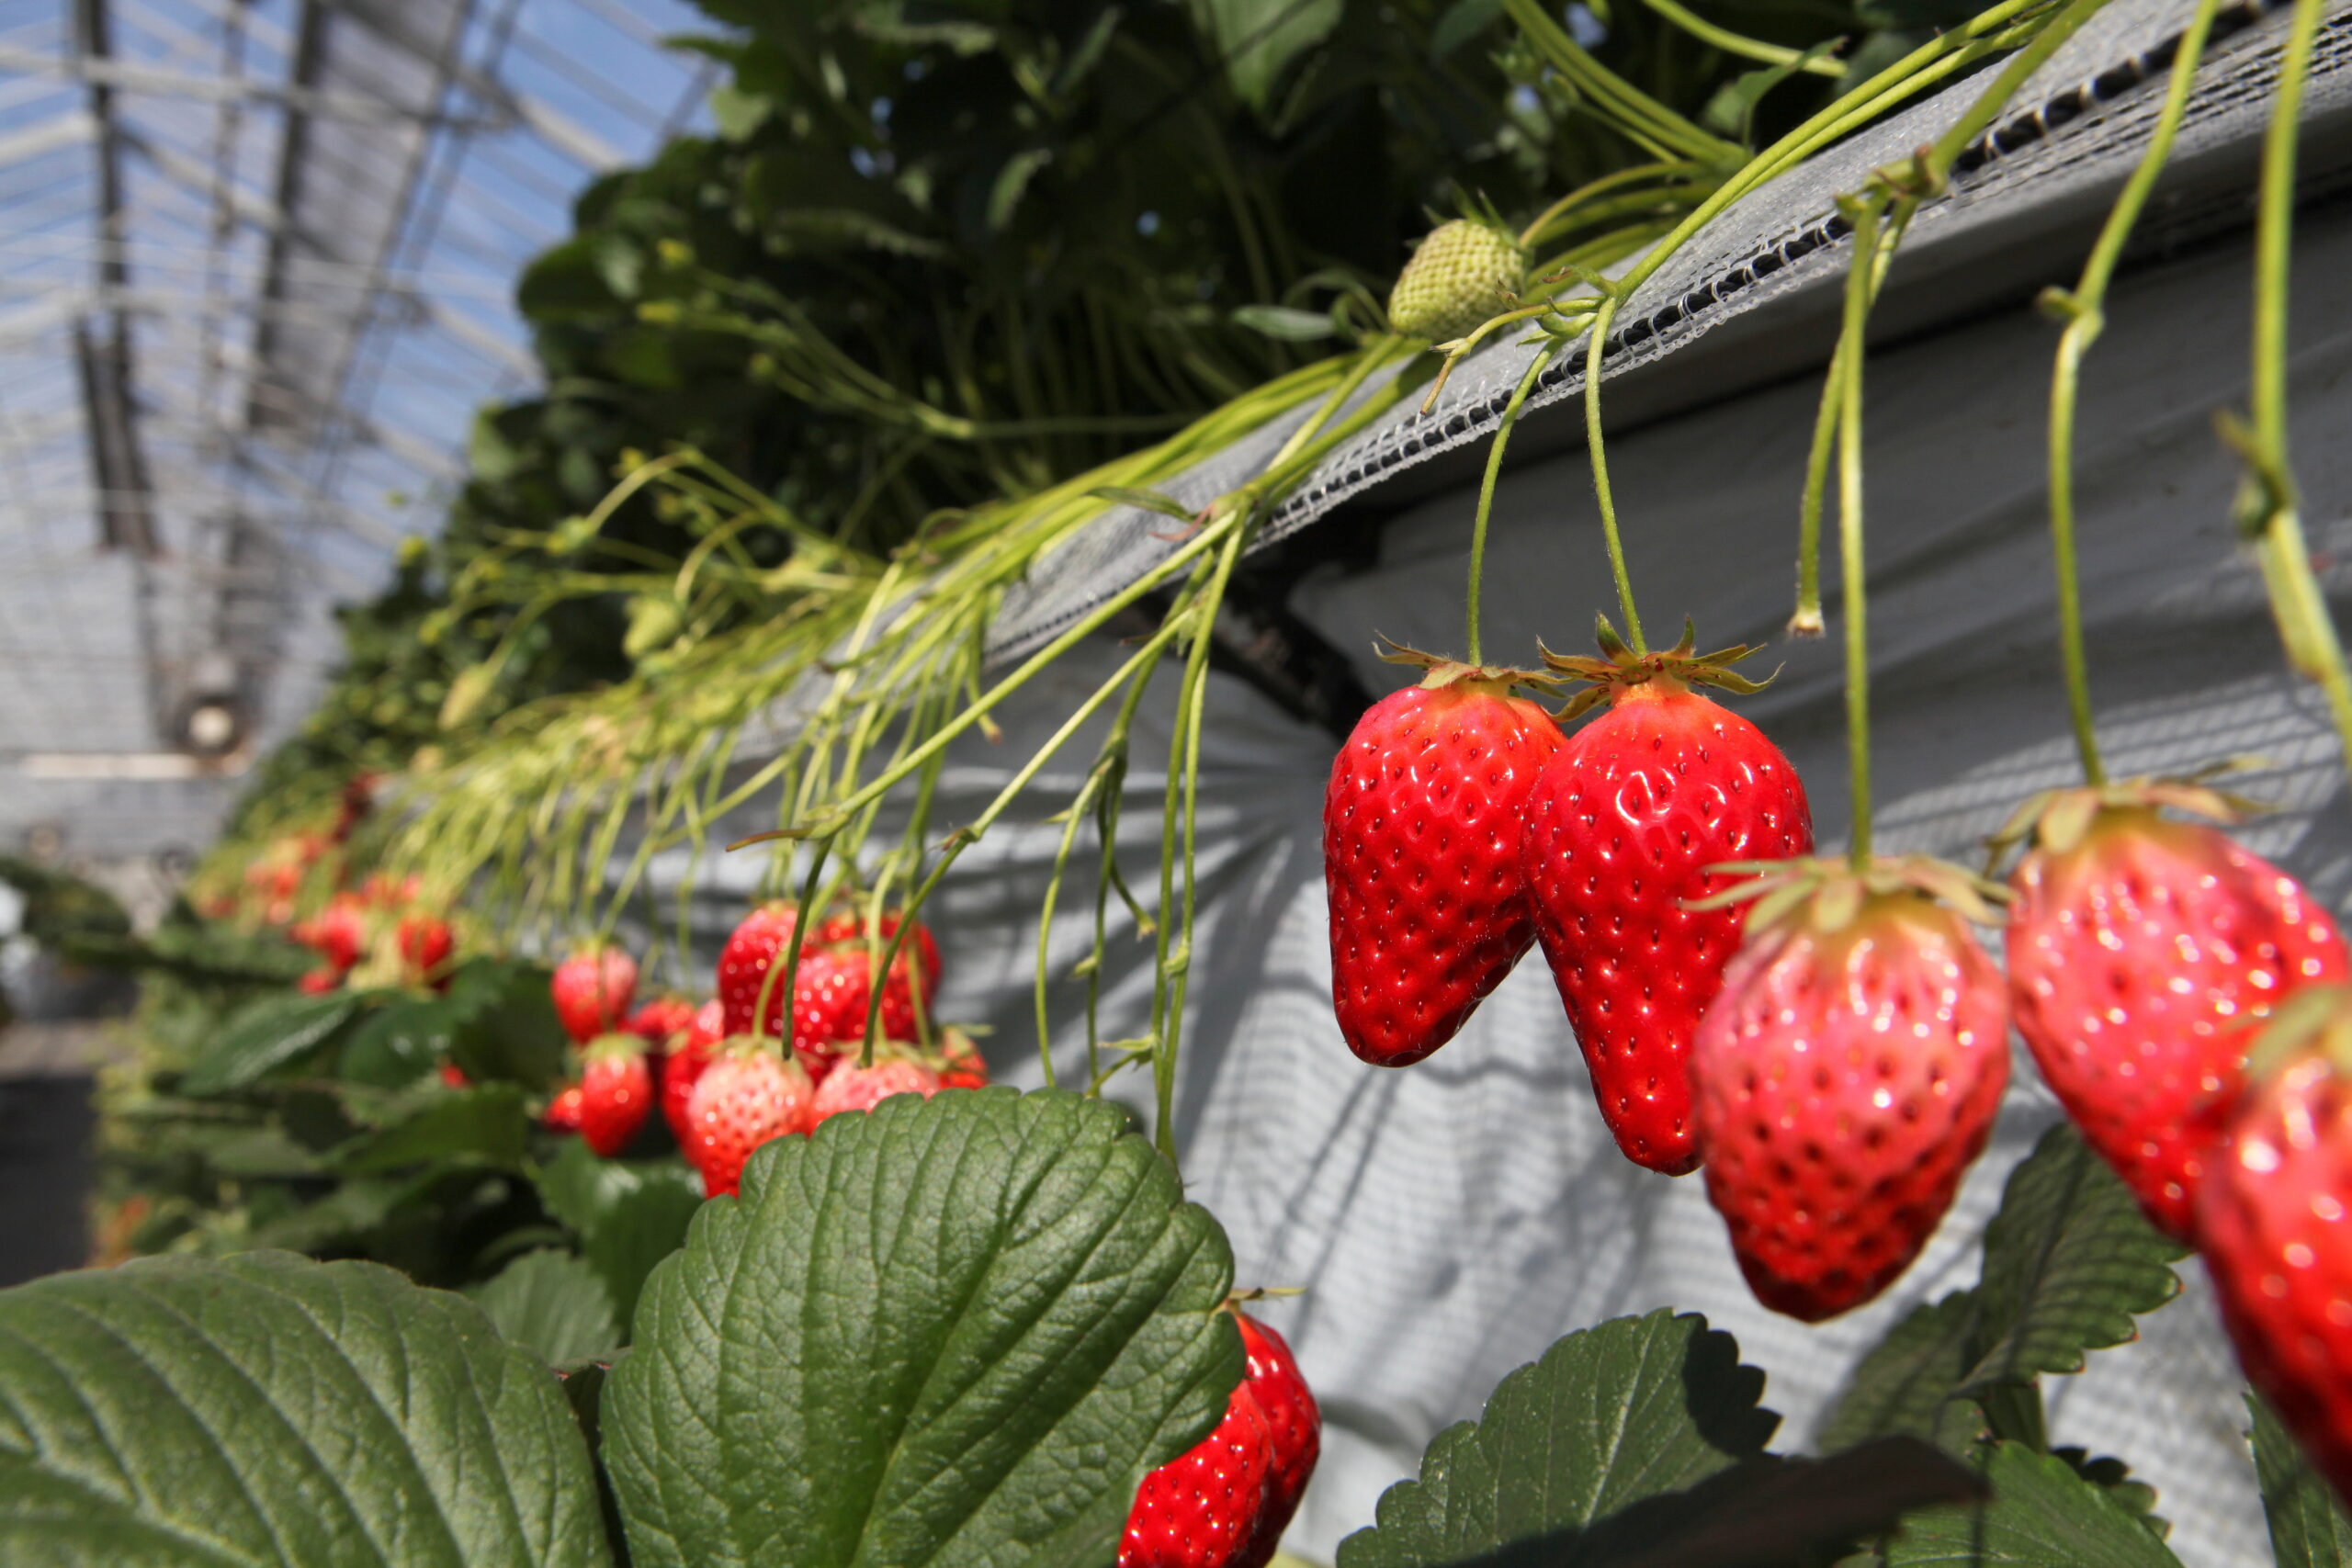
<point x="45" y="1168"/>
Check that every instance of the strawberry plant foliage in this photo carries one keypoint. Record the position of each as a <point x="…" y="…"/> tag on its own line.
<point x="1609" y="1415"/>
<point x="960" y="1329"/>
<point x="2040" y="1512"/>
<point x="2308" y="1527"/>
<point x="275" y="1031"/>
<point x="553" y="1305"/>
<point x="2069" y="1261"/>
<point x="268" y="1410"/>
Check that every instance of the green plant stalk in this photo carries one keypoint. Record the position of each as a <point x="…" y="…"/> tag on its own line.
<point x="964" y="838"/>
<point x="1487" y="493"/>
<point x="1865" y="214"/>
<point x="1540" y="228"/>
<point x="2268" y="512"/>
<point x="1594" y="338"/>
<point x="1172" y="967"/>
<point x="2085" y="320"/>
<point x="1739" y="44"/>
<point x="1631" y="112"/>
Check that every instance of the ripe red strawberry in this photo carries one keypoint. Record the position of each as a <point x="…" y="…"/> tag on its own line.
<point x="592" y="989"/>
<point x="689" y="1056"/>
<point x="660" y="1020"/>
<point x="2145" y="955"/>
<point x="961" y="1065"/>
<point x="1293" y="1425"/>
<point x="425" y="945"/>
<point x="319" y="982"/>
<point x="616" y="1093"/>
<point x="1846" y="1076"/>
<point x="2271" y="1220"/>
<point x="338" y="932"/>
<point x="1621" y="831"/>
<point x="1224" y="1503"/>
<point x="852" y="1087"/>
<point x="1421" y="825"/>
<point x="743" y="964"/>
<point x="455" y="1077"/>
<point x="751" y="1093"/>
<point x="563" y="1113"/>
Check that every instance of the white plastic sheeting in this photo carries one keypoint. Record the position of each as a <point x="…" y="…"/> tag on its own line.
<point x="1450" y="1220"/>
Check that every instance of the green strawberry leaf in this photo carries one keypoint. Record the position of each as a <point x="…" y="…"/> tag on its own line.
<point x="1905" y="1381"/>
<point x="2308" y="1526"/>
<point x="484" y="1125"/>
<point x="2041" y="1513"/>
<point x="394" y="1046"/>
<point x="552" y="1304"/>
<point x="645" y="1225"/>
<point x="2069" y="1261"/>
<point x="1610" y="1415"/>
<point x="1258" y="40"/>
<point x="264" y="1409"/>
<point x="955" y="1330"/>
<point x="276" y="1032"/>
<point x="1761" y="1511"/>
<point x="2114" y="1477"/>
<point x="506" y="1028"/>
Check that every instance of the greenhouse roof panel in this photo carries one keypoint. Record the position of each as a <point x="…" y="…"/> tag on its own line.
<point x="257" y="274"/>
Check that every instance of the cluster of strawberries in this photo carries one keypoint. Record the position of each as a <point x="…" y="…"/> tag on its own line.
<point x="728" y="1083"/>
<point x="1835" y="1057"/>
<point x="272" y="883"/>
<point x="376" y="931"/>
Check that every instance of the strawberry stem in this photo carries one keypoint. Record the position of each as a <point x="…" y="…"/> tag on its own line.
<point x="1598" y="335"/>
<point x="2085" y="320"/>
<point x="2267" y="503"/>
<point x="1487" y="494"/>
<point x="1863" y="212"/>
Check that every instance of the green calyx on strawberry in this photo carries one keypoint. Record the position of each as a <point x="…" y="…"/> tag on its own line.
<point x="1464" y="273"/>
<point x="2145" y="955"/>
<point x="1225" y="1501"/>
<point x="1847" y="1075"/>
<point x="1421" y="825"/>
<point x="1620" y="671"/>
<point x="2271" y="1225"/>
<point x="1626" y="831"/>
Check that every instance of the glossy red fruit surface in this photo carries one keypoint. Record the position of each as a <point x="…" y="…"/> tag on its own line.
<point x="852" y="1087"/>
<point x="1845" y="1080"/>
<point x="688" y="1056"/>
<point x="2143" y="957"/>
<point x="1422" y="827"/>
<point x="1294" y="1427"/>
<point x="1200" y="1510"/>
<point x="1224" y="1503"/>
<point x="750" y="1094"/>
<point x="562" y="1114"/>
<point x="593" y="990"/>
<point x="425" y="945"/>
<point x="660" y="1021"/>
<point x="2273" y="1217"/>
<point x="615" y="1096"/>
<point x="1621" y="830"/>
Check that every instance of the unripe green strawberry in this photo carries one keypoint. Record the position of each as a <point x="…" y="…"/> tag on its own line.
<point x="2273" y="1222"/>
<point x="1846" y="1079"/>
<point x="2143" y="957"/>
<point x="1462" y="274"/>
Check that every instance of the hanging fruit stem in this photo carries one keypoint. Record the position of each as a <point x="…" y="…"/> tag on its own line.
<point x="1487" y="494"/>
<point x="1601" y="496"/>
<point x="2083" y="311"/>
<point x="2267" y="506"/>
<point x="1864" y="213"/>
